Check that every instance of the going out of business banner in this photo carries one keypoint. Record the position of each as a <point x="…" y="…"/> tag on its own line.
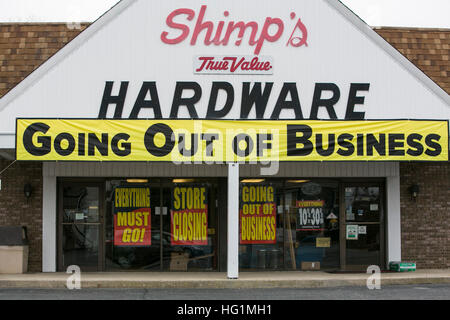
<point x="217" y="141"/>
<point x="189" y="215"/>
<point x="132" y="216"/>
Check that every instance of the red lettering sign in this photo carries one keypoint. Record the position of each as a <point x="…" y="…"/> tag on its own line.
<point x="222" y="32"/>
<point x="233" y="65"/>
<point x="133" y="228"/>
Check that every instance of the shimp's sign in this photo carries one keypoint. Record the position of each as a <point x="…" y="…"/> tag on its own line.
<point x="234" y="32"/>
<point x="218" y="141"/>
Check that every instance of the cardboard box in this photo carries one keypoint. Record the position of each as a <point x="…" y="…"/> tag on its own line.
<point x="179" y="261"/>
<point x="310" y="266"/>
<point x="13" y="259"/>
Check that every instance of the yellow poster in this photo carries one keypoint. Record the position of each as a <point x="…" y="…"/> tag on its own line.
<point x="132" y="216"/>
<point x="323" y="242"/>
<point x="218" y="141"/>
<point x="189" y="216"/>
<point x="257" y="215"/>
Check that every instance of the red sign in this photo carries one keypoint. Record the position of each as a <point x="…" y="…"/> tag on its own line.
<point x="224" y="32"/>
<point x="133" y="228"/>
<point x="233" y="65"/>
<point x="258" y="217"/>
<point x="189" y="216"/>
<point x="189" y="227"/>
<point x="132" y="216"/>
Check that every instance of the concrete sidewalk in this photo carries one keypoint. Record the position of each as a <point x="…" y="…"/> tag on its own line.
<point x="247" y="280"/>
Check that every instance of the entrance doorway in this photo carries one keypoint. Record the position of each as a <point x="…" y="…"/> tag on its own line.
<point x="81" y="226"/>
<point x="362" y="226"/>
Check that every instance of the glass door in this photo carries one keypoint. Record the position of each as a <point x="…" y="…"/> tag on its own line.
<point x="362" y="229"/>
<point x="81" y="226"/>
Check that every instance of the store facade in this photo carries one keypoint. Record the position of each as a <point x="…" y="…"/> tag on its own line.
<point x="224" y="137"/>
<point x="305" y="218"/>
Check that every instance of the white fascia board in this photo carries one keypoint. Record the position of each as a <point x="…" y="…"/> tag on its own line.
<point x="389" y="49"/>
<point x="7" y="141"/>
<point x="64" y="52"/>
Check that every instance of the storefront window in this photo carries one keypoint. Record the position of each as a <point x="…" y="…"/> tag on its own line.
<point x="173" y="224"/>
<point x="161" y="226"/>
<point x="131" y="227"/>
<point x="261" y="229"/>
<point x="312" y="225"/>
<point x="189" y="228"/>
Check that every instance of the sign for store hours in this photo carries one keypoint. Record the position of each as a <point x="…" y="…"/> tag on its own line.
<point x="132" y="216"/>
<point x="257" y="215"/>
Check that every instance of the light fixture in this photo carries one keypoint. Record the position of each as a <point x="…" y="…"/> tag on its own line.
<point x="28" y="190"/>
<point x="252" y="180"/>
<point x="183" y="180"/>
<point x="137" y="180"/>
<point x="297" y="181"/>
<point x="414" y="190"/>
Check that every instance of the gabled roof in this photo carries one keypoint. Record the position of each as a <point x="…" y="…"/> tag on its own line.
<point x="402" y="90"/>
<point x="25" y="46"/>
<point x="428" y="49"/>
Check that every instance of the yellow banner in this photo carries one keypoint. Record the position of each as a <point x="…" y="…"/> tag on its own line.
<point x="218" y="141"/>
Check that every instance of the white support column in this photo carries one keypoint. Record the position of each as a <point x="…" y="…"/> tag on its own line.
<point x="49" y="224"/>
<point x="233" y="222"/>
<point x="394" y="239"/>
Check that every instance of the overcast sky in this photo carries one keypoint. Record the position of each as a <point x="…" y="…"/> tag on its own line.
<point x="406" y="13"/>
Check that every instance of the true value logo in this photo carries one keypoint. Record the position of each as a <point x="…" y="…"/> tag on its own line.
<point x="230" y="32"/>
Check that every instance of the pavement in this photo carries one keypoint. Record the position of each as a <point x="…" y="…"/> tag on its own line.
<point x="219" y="280"/>
<point x="413" y="292"/>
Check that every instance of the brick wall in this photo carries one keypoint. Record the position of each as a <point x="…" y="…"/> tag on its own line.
<point x="16" y="210"/>
<point x="426" y="222"/>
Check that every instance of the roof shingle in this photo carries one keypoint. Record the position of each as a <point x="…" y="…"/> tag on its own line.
<point x="428" y="49"/>
<point x="25" y="46"/>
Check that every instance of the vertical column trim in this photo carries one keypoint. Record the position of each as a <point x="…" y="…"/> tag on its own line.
<point x="394" y="237"/>
<point x="233" y="222"/>
<point x="49" y="234"/>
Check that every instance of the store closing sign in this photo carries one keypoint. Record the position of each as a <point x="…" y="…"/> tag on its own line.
<point x="217" y="141"/>
<point x="258" y="219"/>
<point x="132" y="216"/>
<point x="189" y="215"/>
